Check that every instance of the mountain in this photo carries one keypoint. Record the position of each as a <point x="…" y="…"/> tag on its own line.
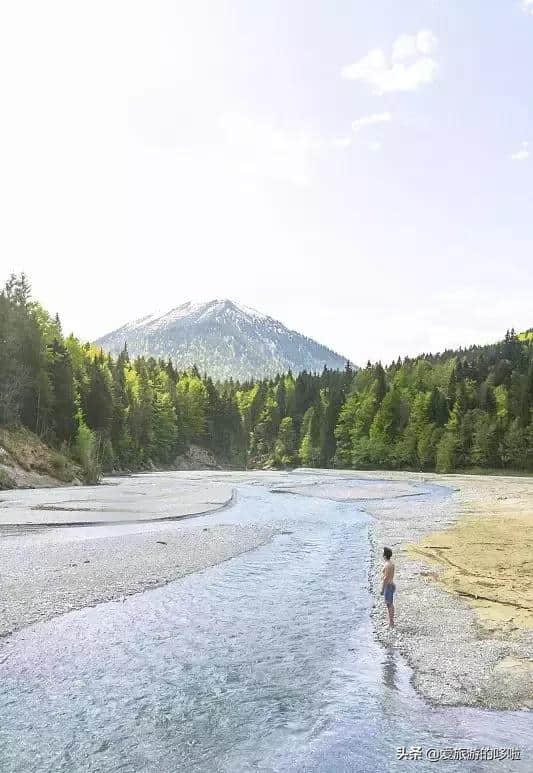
<point x="223" y="339"/>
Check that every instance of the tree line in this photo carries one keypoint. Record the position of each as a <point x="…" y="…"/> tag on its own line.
<point x="470" y="408"/>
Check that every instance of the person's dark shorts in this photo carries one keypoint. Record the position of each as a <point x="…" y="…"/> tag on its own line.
<point x="388" y="593"/>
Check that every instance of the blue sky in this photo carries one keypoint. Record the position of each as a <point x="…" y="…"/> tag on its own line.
<point x="362" y="171"/>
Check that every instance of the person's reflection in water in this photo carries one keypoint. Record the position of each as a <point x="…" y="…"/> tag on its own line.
<point x="390" y="668"/>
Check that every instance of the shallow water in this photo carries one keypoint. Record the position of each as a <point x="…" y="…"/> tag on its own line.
<point x="267" y="662"/>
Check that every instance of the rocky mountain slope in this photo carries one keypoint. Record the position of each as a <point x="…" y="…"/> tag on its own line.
<point x="223" y="339"/>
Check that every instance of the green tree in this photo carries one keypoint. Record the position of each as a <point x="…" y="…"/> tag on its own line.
<point x="285" y="443"/>
<point x="64" y="394"/>
<point x="515" y="446"/>
<point x="485" y="444"/>
<point x="447" y="451"/>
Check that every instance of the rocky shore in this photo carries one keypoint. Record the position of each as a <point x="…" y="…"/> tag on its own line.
<point x="463" y="546"/>
<point x="464" y="604"/>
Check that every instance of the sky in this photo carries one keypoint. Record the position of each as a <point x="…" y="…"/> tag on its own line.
<point x="360" y="170"/>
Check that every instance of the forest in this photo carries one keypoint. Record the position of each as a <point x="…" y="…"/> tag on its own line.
<point x="457" y="410"/>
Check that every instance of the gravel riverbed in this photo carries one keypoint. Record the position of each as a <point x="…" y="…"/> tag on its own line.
<point x="462" y="651"/>
<point x="48" y="573"/>
<point x="456" y="659"/>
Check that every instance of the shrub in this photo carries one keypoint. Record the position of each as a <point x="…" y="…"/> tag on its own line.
<point x="87" y="453"/>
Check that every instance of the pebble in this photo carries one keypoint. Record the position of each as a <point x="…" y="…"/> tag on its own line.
<point x="437" y="631"/>
<point x="44" y="576"/>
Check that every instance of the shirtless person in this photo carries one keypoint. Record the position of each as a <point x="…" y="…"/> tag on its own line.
<point x="387" y="586"/>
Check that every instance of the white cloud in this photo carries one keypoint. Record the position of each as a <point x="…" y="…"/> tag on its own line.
<point x="370" y="120"/>
<point x="374" y="146"/>
<point x="407" y="46"/>
<point x="527" y="6"/>
<point x="522" y="154"/>
<point x="409" y="66"/>
<point x="258" y="149"/>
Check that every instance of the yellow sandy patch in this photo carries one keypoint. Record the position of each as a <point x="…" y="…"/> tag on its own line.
<point x="521" y="666"/>
<point x="489" y="561"/>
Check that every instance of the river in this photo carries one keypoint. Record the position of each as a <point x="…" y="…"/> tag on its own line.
<point x="267" y="662"/>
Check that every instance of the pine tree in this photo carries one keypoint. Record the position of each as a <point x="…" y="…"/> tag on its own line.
<point x="99" y="399"/>
<point x="61" y="377"/>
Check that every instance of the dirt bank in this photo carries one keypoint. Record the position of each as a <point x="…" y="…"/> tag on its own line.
<point x="26" y="462"/>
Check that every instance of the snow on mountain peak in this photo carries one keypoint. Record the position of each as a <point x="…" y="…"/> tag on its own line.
<point x="224" y="338"/>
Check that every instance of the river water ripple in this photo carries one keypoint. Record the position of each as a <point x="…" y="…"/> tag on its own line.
<point x="265" y="663"/>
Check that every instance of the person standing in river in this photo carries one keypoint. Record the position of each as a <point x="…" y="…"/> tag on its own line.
<point x="388" y="587"/>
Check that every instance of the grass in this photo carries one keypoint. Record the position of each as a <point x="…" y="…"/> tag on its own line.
<point x="29" y="452"/>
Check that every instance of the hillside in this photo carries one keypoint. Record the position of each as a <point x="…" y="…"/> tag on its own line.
<point x="223" y="339"/>
<point x="26" y="462"/>
<point x="466" y="409"/>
